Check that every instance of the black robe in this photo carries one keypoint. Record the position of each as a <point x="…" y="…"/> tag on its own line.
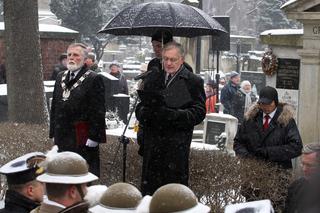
<point x="86" y="104"/>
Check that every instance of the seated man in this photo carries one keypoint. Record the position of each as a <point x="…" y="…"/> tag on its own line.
<point x="66" y="179"/>
<point x="25" y="192"/>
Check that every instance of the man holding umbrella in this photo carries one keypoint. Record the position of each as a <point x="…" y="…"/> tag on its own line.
<point x="168" y="119"/>
<point x="159" y="39"/>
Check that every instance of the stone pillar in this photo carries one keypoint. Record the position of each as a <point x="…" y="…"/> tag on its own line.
<point x="309" y="94"/>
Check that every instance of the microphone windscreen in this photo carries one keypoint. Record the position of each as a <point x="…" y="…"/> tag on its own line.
<point x="145" y="74"/>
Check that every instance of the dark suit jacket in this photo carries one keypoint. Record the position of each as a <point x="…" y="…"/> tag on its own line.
<point x="86" y="103"/>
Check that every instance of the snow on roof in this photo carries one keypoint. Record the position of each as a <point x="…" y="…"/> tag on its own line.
<point x="241" y="36"/>
<point x="283" y="32"/>
<point x="55" y="28"/>
<point x="288" y="3"/>
<point x="48" y="28"/>
<point x="45" y="13"/>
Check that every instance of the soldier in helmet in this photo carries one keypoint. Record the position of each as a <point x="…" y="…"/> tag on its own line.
<point x="66" y="179"/>
<point x="172" y="197"/>
<point x="25" y="192"/>
<point x="119" y="197"/>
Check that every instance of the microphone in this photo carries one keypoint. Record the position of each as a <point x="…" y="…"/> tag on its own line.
<point x="145" y="74"/>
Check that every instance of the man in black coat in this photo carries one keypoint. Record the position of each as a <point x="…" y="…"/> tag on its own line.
<point x="77" y="118"/>
<point x="122" y="83"/>
<point x="62" y="66"/>
<point x="303" y="193"/>
<point x="172" y="103"/>
<point x="269" y="131"/>
<point x="229" y="91"/>
<point x="25" y="192"/>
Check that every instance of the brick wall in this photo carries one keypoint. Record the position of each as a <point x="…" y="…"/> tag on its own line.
<point x="50" y="52"/>
<point x="51" y="48"/>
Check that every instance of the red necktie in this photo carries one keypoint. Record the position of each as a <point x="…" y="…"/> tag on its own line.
<point x="266" y="122"/>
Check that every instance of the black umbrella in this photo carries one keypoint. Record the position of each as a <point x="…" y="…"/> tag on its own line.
<point x="147" y="18"/>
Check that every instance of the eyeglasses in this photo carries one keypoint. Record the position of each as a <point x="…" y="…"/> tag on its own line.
<point x="172" y="60"/>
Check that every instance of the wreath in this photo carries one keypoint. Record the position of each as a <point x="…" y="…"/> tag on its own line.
<point x="269" y="63"/>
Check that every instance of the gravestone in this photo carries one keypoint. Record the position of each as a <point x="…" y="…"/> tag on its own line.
<point x="288" y="73"/>
<point x="218" y="126"/>
<point x="122" y="102"/>
<point x="110" y="88"/>
<point x="113" y="100"/>
<point x="255" y="78"/>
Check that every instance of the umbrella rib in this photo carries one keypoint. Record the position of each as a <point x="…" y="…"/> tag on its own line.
<point x="136" y="16"/>
<point x="173" y="17"/>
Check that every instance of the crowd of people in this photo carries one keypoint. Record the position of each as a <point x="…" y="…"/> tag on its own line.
<point x="172" y="101"/>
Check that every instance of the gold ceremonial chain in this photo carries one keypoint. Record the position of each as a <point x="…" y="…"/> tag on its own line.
<point x="66" y="91"/>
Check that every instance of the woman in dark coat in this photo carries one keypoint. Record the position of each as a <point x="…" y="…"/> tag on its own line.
<point x="242" y="100"/>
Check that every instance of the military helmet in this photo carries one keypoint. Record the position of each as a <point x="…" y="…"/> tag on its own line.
<point x="67" y="168"/>
<point x="175" y="198"/>
<point x="119" y="197"/>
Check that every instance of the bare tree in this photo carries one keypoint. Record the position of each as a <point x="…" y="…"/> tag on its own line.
<point x="26" y="100"/>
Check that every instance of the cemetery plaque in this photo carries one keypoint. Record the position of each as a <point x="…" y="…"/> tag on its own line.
<point x="288" y="73"/>
<point x="213" y="131"/>
<point x="257" y="78"/>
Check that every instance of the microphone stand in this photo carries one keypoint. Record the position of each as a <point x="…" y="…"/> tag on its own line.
<point x="125" y="141"/>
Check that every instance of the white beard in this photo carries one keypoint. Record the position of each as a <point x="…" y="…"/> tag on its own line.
<point x="73" y="67"/>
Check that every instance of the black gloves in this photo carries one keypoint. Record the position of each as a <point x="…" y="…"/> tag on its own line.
<point x="156" y="115"/>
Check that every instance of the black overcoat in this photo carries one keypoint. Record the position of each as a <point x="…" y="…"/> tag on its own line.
<point x="85" y="104"/>
<point x="15" y="202"/>
<point x="279" y="144"/>
<point x="167" y="131"/>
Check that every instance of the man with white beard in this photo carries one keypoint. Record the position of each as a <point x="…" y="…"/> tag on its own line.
<point x="77" y="117"/>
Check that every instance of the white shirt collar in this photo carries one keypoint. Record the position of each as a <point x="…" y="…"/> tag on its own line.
<point x="75" y="72"/>
<point x="53" y="203"/>
<point x="270" y="114"/>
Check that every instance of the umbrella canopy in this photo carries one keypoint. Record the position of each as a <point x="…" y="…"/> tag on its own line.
<point x="147" y="18"/>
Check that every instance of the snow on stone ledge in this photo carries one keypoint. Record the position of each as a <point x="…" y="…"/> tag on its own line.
<point x="283" y="32"/>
